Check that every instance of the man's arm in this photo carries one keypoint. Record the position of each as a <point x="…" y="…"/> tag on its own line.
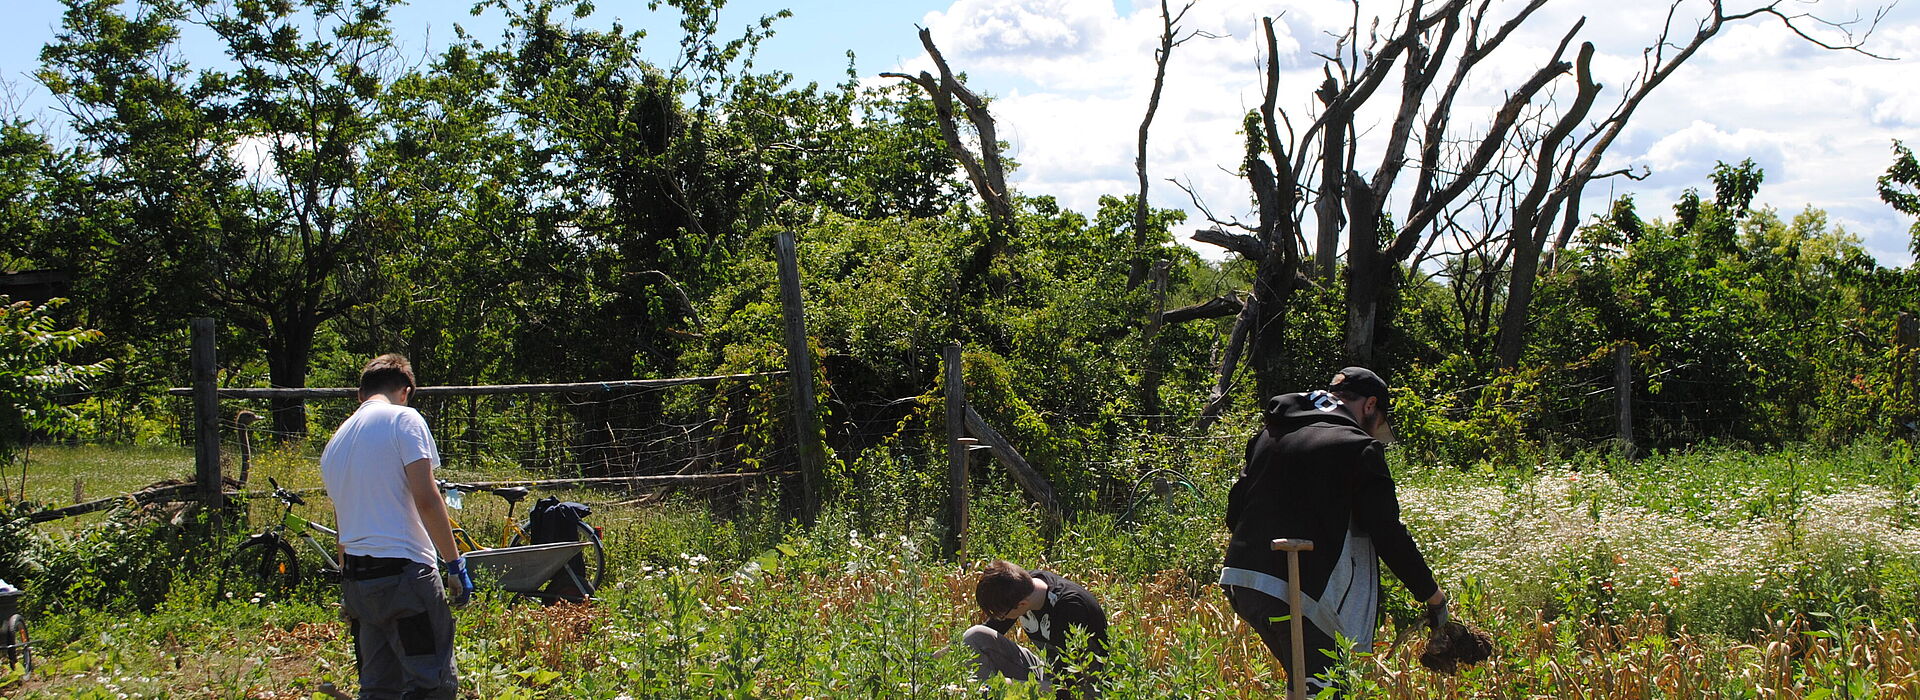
<point x="433" y="511"/>
<point x="1377" y="510"/>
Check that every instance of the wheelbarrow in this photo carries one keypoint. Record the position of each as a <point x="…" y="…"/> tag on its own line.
<point x="524" y="570"/>
<point x="13" y="629"/>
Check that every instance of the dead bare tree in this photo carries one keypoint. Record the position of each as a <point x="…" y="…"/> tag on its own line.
<point x="1171" y="37"/>
<point x="1434" y="47"/>
<point x="984" y="170"/>
<point x="1577" y="162"/>
<point x="1275" y="244"/>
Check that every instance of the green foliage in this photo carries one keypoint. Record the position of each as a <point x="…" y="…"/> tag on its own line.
<point x="130" y="562"/>
<point x="1900" y="188"/>
<point x="1725" y="301"/>
<point x="33" y="348"/>
<point x="1490" y="424"/>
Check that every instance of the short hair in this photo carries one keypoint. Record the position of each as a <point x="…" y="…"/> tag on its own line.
<point x="1002" y="587"/>
<point x="386" y="373"/>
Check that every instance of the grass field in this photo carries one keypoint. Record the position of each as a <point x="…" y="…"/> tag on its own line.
<point x="50" y="471"/>
<point x="1719" y="573"/>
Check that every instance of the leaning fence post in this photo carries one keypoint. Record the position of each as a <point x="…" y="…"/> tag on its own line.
<point x="206" y="421"/>
<point x="1623" y="395"/>
<point x="956" y="394"/>
<point x="806" y="424"/>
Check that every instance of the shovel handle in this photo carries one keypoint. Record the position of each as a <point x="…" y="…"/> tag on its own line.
<point x="1298" y="675"/>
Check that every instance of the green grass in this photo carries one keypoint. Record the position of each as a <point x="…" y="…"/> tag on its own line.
<point x="101" y="470"/>
<point x="1713" y="573"/>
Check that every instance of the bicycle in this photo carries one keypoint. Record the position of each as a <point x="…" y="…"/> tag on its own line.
<point x="267" y="564"/>
<point x="516" y="533"/>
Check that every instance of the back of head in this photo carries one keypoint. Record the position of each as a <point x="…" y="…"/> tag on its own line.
<point x="1002" y="587"/>
<point x="1360" y="382"/>
<point x="386" y="374"/>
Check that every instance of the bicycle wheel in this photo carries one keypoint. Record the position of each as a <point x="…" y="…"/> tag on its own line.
<point x="260" y="569"/>
<point x="13" y="636"/>
<point x="592" y="561"/>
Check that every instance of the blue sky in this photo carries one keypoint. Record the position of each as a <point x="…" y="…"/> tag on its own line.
<point x="812" y="44"/>
<point x="1070" y="79"/>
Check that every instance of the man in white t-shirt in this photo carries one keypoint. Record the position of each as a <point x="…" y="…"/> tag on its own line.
<point x="396" y="540"/>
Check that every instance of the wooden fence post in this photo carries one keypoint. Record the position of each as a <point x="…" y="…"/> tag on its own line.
<point x="806" y="424"/>
<point x="956" y="392"/>
<point x="206" y="422"/>
<point x="1150" y="373"/>
<point x="1623" y="396"/>
<point x="1906" y="367"/>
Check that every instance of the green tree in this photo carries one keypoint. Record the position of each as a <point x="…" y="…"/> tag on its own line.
<point x="1744" y="324"/>
<point x="1900" y="188"/>
<point x="252" y="183"/>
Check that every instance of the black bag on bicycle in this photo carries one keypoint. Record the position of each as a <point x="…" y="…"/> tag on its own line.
<point x="554" y="520"/>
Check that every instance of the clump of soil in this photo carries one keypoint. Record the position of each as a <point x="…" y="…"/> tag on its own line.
<point x="1455" y="645"/>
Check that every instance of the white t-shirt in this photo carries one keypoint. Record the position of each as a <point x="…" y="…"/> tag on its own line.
<point x="364" y="467"/>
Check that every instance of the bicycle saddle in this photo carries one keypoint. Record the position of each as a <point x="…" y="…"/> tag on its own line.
<point x="513" y="494"/>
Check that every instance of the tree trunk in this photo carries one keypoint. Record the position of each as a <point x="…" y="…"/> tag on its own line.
<point x="1278" y="278"/>
<point x="1513" y="318"/>
<point x="1333" y="162"/>
<point x="289" y="351"/>
<point x="1367" y="285"/>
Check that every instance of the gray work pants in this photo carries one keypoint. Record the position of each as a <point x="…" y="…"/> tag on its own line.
<point x="402" y="634"/>
<point x="1260" y="611"/>
<point x="1002" y="656"/>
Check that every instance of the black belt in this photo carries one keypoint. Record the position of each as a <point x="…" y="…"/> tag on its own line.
<point x="362" y="568"/>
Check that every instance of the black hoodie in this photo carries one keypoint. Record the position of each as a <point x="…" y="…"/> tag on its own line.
<point x="1310" y="472"/>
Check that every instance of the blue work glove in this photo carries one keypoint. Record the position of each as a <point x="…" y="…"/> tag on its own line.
<point x="458" y="581"/>
<point x="1436" y="615"/>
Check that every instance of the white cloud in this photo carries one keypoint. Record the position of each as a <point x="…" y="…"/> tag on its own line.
<point x="1072" y="78"/>
<point x="254" y="155"/>
<point x="1696" y="147"/>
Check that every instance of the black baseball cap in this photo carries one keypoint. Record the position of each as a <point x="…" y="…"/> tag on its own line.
<point x="1360" y="381"/>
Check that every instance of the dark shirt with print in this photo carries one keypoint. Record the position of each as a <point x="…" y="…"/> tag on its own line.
<point x="1068" y="605"/>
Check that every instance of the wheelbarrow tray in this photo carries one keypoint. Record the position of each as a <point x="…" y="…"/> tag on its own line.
<point x="521" y="569"/>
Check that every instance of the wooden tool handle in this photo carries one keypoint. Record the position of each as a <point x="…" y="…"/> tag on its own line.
<point x="1291" y="545"/>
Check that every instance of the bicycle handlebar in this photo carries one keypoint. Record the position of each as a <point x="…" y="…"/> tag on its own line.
<point x="285" y="496"/>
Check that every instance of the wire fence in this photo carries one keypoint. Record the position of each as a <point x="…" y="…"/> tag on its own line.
<point x="699" y="425"/>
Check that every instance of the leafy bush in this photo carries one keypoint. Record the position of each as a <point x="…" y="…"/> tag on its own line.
<point x="129" y="562"/>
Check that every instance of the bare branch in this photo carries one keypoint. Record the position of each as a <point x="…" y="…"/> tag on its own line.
<point x="1249" y="247"/>
<point x="1229" y="361"/>
<point x="986" y="172"/>
<point x="1852" y="44"/>
<point x="1207" y="212"/>
<point x="1217" y="307"/>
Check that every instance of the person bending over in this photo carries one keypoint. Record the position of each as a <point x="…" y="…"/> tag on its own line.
<point x="1316" y="471"/>
<point x="1051" y="610"/>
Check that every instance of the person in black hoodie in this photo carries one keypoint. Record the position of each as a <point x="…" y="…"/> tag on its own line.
<point x="1316" y="471"/>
